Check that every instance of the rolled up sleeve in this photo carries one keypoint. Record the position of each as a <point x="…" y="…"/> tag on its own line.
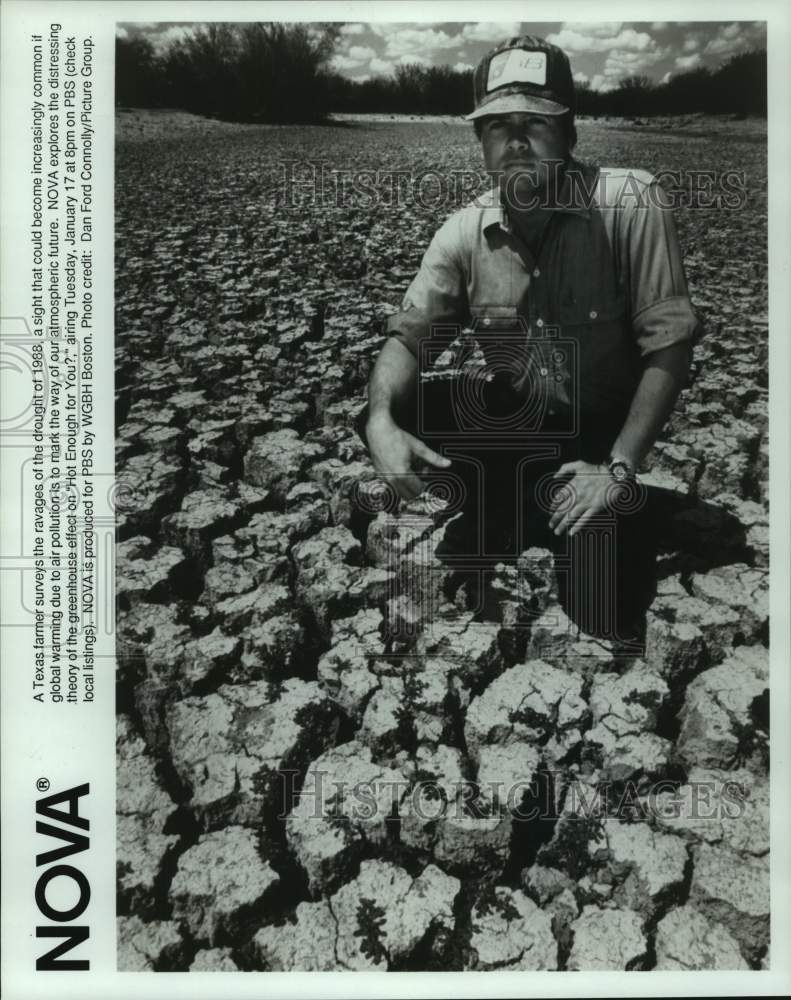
<point x="437" y="293"/>
<point x="662" y="313"/>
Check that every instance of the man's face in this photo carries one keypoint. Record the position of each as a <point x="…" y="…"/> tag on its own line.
<point x="523" y="150"/>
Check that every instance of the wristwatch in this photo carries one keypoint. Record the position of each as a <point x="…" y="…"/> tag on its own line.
<point x="620" y="470"/>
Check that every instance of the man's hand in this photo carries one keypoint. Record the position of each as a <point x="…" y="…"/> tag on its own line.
<point x="398" y="456"/>
<point x="587" y="490"/>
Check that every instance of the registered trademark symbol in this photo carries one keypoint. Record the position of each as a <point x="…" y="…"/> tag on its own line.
<point x="42" y="784"/>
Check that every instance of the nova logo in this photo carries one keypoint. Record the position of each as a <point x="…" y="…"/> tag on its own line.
<point x="60" y="820"/>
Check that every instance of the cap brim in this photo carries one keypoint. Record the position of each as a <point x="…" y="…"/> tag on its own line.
<point x="510" y="103"/>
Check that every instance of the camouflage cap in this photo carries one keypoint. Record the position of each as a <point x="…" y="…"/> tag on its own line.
<point x="526" y="73"/>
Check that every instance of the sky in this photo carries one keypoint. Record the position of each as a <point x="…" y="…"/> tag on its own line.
<point x="601" y="53"/>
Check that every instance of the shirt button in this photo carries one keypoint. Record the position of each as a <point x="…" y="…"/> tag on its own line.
<point x="544" y="371"/>
<point x="536" y="273"/>
<point x="539" y="323"/>
<point x="552" y="413"/>
<point x="487" y="321"/>
<point x="593" y="314"/>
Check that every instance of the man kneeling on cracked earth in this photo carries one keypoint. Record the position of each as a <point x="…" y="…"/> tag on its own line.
<point x="567" y="278"/>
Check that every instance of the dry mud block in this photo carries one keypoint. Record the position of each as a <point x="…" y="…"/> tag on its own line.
<point x="378" y="918"/>
<point x="732" y="890"/>
<point x="423" y="698"/>
<point x="730" y="808"/>
<point x="219" y="884"/>
<point x="347" y="671"/>
<point x="361" y="674"/>
<point x="544" y="883"/>
<point x="306" y="944"/>
<point x="624" y="709"/>
<point x="345" y="803"/>
<point x="466" y="840"/>
<point x="148" y="947"/>
<point x="674" y="649"/>
<point x="509" y="932"/>
<point x="685" y="939"/>
<point x="646" y="867"/>
<point x="687" y="633"/>
<point x="204" y="515"/>
<point x="150" y="486"/>
<point x="474" y="646"/>
<point x="626" y="704"/>
<point x="278" y="461"/>
<point x="144" y="808"/>
<point x="329" y="580"/>
<point x="214" y="960"/>
<point x="145" y="572"/>
<point x="340" y="483"/>
<point x="743" y="589"/>
<point x="606" y="939"/>
<point x="230" y="748"/>
<point x="722" y="715"/>
<point x="466" y="834"/>
<point x="532" y="702"/>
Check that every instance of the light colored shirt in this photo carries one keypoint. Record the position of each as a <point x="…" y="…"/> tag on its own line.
<point x="606" y="289"/>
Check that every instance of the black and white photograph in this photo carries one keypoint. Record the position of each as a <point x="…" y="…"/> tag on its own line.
<point x="395" y="558"/>
<point x="442" y="504"/>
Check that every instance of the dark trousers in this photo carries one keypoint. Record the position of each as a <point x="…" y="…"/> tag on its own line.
<point x="504" y="455"/>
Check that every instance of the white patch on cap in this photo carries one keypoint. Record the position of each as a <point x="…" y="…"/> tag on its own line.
<point x="517" y="66"/>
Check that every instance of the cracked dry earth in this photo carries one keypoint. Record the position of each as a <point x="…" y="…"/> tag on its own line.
<point x="269" y="661"/>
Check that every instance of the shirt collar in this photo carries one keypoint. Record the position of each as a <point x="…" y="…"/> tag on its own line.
<point x="577" y="195"/>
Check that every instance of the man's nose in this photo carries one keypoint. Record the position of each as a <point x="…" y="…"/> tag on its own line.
<point x="517" y="137"/>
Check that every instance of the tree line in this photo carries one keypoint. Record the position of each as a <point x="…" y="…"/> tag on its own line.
<point x="278" y="72"/>
<point x="253" y="71"/>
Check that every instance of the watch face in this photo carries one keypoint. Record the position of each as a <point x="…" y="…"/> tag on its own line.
<point x="619" y="470"/>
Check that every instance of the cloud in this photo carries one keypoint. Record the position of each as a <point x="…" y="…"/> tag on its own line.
<point x="463" y="67"/>
<point x="403" y="39"/>
<point x="387" y="67"/>
<point x="361" y="52"/>
<point x="659" y="25"/>
<point x="621" y="62"/>
<point x="491" y="31"/>
<point x="121" y="32"/>
<point x="581" y="78"/>
<point x="736" y="37"/>
<point x="689" y="62"/>
<point x="362" y="79"/>
<point x="666" y="77"/>
<point x="341" y="62"/>
<point x="356" y="56"/>
<point x="597" y="29"/>
<point x="158" y="33"/>
<point x="691" y="44"/>
<point x="572" y="39"/>
<point x="353" y="29"/>
<point x="171" y="34"/>
<point x="381" y="67"/>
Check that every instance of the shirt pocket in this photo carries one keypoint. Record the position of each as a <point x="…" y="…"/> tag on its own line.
<point x="487" y="318"/>
<point x="604" y="365"/>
